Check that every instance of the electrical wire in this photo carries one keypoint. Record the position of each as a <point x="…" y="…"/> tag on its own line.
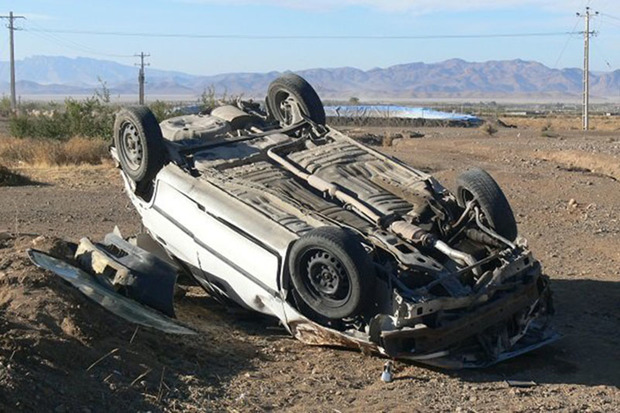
<point x="609" y="16"/>
<point x="597" y="45"/>
<point x="298" y="37"/>
<point x="565" y="45"/>
<point x="67" y="43"/>
<point x="611" y="22"/>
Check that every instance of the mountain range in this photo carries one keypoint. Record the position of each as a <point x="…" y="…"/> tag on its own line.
<point x="455" y="78"/>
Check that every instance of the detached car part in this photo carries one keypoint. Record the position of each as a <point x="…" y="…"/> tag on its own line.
<point x="101" y="293"/>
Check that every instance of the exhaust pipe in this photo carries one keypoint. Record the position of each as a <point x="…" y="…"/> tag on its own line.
<point x="417" y="235"/>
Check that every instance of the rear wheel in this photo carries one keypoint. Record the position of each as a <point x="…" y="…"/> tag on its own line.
<point x="290" y="96"/>
<point x="478" y="186"/>
<point x="331" y="272"/>
<point x="139" y="144"/>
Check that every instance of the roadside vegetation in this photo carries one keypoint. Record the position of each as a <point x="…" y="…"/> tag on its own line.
<point x="76" y="131"/>
<point x="79" y="131"/>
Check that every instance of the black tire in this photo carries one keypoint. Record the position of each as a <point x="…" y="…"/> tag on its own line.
<point x="291" y="89"/>
<point x="476" y="184"/>
<point x="139" y="144"/>
<point x="331" y="272"/>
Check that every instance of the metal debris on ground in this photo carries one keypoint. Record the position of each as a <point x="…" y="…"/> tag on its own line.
<point x="106" y="297"/>
<point x="521" y="383"/>
<point x="387" y="376"/>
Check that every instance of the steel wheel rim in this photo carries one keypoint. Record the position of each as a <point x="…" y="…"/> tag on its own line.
<point x="326" y="278"/>
<point x="131" y="146"/>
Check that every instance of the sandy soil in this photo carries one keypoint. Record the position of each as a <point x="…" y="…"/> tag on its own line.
<point x="565" y="192"/>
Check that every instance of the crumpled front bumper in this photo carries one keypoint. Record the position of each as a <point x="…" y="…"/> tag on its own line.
<point x="513" y="321"/>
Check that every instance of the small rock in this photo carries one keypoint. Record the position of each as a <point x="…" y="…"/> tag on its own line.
<point x="572" y="204"/>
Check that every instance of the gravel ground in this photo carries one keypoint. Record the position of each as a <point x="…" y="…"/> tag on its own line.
<point x="566" y="195"/>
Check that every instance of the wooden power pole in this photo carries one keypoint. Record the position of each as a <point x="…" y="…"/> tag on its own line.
<point x="12" y="29"/>
<point x="141" y="76"/>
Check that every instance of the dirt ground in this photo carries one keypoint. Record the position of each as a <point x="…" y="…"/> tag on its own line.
<point x="60" y="352"/>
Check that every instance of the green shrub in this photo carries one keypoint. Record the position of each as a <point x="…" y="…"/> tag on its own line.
<point x="5" y="106"/>
<point x="21" y="126"/>
<point x="161" y="110"/>
<point x="90" y="118"/>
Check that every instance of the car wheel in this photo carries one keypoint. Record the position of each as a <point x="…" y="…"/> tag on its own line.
<point x="331" y="272"/>
<point x="290" y="96"/>
<point x="139" y="144"/>
<point x="477" y="185"/>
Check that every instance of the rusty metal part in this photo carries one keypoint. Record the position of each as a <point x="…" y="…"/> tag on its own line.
<point x="309" y="332"/>
<point x="412" y="233"/>
<point x="458" y="256"/>
<point x="489" y="231"/>
<point x="417" y="235"/>
<point x="426" y="339"/>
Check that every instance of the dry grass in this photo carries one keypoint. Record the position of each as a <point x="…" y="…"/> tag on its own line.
<point x="598" y="163"/>
<point x="488" y="129"/>
<point x="560" y="123"/>
<point x="76" y="151"/>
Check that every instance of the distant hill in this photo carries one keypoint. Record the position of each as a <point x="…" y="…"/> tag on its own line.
<point x="455" y="78"/>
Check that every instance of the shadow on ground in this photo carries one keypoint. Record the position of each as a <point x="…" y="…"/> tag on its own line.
<point x="588" y="315"/>
<point x="10" y="178"/>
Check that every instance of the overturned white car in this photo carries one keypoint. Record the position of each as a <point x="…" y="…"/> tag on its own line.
<point x="277" y="211"/>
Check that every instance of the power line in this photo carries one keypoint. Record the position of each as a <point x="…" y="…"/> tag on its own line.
<point x="301" y="37"/>
<point x="609" y="16"/>
<point x="599" y="49"/>
<point x="612" y="21"/>
<point x="565" y="45"/>
<point x="69" y="44"/>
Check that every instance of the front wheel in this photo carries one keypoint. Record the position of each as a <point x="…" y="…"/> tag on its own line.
<point x="331" y="272"/>
<point x="478" y="186"/>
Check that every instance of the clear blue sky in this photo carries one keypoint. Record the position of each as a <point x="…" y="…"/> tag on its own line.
<point x="312" y="18"/>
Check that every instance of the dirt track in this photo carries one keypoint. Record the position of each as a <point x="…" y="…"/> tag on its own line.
<point x="565" y="192"/>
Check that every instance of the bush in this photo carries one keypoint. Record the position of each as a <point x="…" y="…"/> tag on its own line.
<point x="5" y="106"/>
<point x="90" y="118"/>
<point x="209" y="99"/>
<point x="161" y="110"/>
<point x="22" y="126"/>
<point x="489" y="129"/>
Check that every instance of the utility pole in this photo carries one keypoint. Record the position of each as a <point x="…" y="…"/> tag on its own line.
<point x="141" y="75"/>
<point x="12" y="29"/>
<point x="586" y="67"/>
